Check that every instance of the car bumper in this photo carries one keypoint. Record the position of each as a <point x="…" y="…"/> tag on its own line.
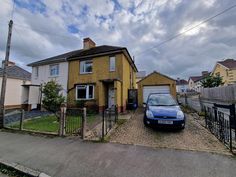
<point x="155" y="122"/>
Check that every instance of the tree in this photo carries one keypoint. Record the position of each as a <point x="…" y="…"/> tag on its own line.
<point x="52" y="98"/>
<point x="212" y="81"/>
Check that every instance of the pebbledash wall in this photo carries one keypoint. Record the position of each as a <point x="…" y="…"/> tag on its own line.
<point x="44" y="77"/>
<point x="100" y="72"/>
<point x="16" y="94"/>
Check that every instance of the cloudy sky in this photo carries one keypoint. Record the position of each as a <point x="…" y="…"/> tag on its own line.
<point x="44" y="28"/>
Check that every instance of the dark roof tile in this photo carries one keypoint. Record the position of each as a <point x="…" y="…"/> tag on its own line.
<point x="229" y="63"/>
<point x="17" y="72"/>
<point x="181" y="82"/>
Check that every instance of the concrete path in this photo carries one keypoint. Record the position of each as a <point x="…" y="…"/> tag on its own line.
<point x="72" y="157"/>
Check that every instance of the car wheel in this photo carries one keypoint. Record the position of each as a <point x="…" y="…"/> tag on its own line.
<point x="145" y="122"/>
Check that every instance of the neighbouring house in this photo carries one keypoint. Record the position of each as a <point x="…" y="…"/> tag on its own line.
<point x="53" y="68"/>
<point x="140" y="75"/>
<point x="194" y="82"/>
<point x="181" y="85"/>
<point x="227" y="70"/>
<point x="155" y="83"/>
<point x="101" y="76"/>
<point x="16" y="88"/>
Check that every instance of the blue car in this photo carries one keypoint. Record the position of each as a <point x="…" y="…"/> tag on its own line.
<point x="162" y="110"/>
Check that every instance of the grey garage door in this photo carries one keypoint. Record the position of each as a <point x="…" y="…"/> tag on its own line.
<point x="154" y="89"/>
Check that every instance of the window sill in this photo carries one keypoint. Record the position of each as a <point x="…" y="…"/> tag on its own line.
<point x="86" y="73"/>
<point x="91" y="99"/>
<point x="53" y="76"/>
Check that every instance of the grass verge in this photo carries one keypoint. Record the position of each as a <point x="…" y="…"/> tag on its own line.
<point x="50" y="123"/>
<point x="10" y="172"/>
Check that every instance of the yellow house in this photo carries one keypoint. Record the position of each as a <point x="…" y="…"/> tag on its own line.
<point x="227" y="70"/>
<point x="100" y="76"/>
<point x="155" y="83"/>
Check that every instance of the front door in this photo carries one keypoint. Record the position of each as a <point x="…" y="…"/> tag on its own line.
<point x="111" y="96"/>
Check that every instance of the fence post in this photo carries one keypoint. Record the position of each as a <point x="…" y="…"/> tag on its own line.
<point x="84" y="117"/>
<point x="205" y="112"/>
<point x="22" y="119"/>
<point x="185" y="99"/>
<point x="201" y="104"/>
<point x="116" y="113"/>
<point x="103" y="123"/>
<point x="231" y="120"/>
<point x="62" y="122"/>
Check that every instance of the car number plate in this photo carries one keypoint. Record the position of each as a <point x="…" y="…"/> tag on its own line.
<point x="165" y="122"/>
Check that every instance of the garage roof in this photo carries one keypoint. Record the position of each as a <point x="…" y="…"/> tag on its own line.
<point x="155" y="72"/>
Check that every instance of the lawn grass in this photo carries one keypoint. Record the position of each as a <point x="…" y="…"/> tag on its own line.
<point x="50" y="123"/>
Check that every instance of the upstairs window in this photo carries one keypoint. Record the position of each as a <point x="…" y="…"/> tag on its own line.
<point x="86" y="67"/>
<point x="36" y="72"/>
<point x="54" y="70"/>
<point x="112" y="63"/>
<point x="84" y="92"/>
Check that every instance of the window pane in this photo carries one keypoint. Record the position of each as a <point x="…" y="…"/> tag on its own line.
<point x="90" y="92"/>
<point x="112" y="64"/>
<point x="81" y="67"/>
<point x="88" y="66"/>
<point x="54" y="70"/>
<point x="81" y="92"/>
<point x="36" y="72"/>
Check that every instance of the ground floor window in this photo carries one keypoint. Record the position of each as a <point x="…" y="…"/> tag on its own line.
<point x="84" y="92"/>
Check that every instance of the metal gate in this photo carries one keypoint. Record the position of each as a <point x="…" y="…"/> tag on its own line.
<point x="110" y="117"/>
<point x="73" y="121"/>
<point x="220" y="120"/>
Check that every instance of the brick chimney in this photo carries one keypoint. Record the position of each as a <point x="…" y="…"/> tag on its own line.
<point x="88" y="43"/>
<point x="205" y="73"/>
<point x="10" y="63"/>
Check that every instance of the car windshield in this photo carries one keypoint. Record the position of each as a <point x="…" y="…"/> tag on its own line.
<point x="161" y="100"/>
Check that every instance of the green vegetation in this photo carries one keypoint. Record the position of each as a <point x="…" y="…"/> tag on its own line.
<point x="212" y="81"/>
<point x="10" y="172"/>
<point x="52" y="97"/>
<point x="50" y="123"/>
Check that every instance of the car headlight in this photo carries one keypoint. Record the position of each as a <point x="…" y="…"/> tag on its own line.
<point x="180" y="115"/>
<point x="149" y="114"/>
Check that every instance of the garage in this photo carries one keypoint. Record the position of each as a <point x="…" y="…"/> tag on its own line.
<point x="155" y="83"/>
<point x="154" y="89"/>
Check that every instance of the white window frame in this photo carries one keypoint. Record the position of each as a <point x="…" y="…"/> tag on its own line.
<point x="112" y="65"/>
<point x="87" y="92"/>
<point x="50" y="67"/>
<point x="36" y="72"/>
<point x="82" y="66"/>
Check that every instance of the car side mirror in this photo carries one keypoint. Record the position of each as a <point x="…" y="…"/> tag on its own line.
<point x="180" y="103"/>
<point x="144" y="105"/>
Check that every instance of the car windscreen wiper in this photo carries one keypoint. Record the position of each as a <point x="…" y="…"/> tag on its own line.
<point x="159" y="105"/>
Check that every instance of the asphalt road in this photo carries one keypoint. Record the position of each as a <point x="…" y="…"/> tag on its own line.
<point x="72" y="157"/>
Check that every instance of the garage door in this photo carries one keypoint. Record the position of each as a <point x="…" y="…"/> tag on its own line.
<point x="154" y="89"/>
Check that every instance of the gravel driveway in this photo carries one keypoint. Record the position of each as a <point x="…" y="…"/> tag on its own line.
<point x="193" y="137"/>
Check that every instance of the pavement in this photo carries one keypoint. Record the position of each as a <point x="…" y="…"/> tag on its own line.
<point x="72" y="157"/>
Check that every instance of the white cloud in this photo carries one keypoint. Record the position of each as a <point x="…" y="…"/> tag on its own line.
<point x="136" y="24"/>
<point x="189" y="30"/>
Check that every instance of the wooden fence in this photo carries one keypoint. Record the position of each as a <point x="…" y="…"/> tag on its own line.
<point x="222" y="94"/>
